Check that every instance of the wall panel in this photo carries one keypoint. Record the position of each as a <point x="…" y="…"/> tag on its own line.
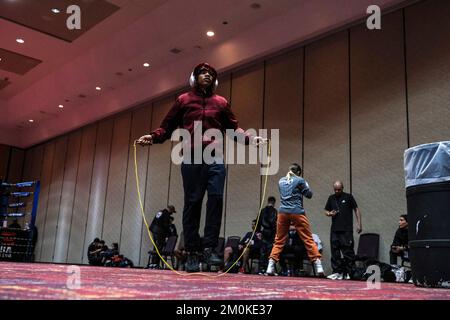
<point x="115" y="193"/>
<point x="54" y="200"/>
<point x="283" y="111"/>
<point x="46" y="179"/>
<point x="4" y="159"/>
<point x="77" y="252"/>
<point x="428" y="68"/>
<point x="99" y="183"/>
<point x="16" y="165"/>
<point x="157" y="189"/>
<point x="326" y="149"/>
<point x="132" y="217"/>
<point x="243" y="190"/>
<point x="67" y="197"/>
<point x="379" y="127"/>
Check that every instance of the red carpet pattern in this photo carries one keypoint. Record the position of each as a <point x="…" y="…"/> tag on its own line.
<point x="52" y="281"/>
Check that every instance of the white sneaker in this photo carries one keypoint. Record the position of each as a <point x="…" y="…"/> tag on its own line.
<point x="335" y="276"/>
<point x="318" y="268"/>
<point x="347" y="277"/>
<point x="271" y="268"/>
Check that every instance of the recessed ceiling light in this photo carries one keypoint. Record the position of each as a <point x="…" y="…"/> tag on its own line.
<point x="60" y="106"/>
<point x="146" y="64"/>
<point x="31" y="120"/>
<point x="98" y="88"/>
<point x="210" y="33"/>
<point x="19" y="40"/>
<point x="55" y="10"/>
<point x="0" y="59"/>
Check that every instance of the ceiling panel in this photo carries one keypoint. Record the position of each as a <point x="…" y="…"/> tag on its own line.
<point x="4" y="83"/>
<point x="16" y="62"/>
<point x="38" y="15"/>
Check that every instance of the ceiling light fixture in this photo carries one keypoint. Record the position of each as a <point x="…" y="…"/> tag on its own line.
<point x="55" y="10"/>
<point x="31" y="120"/>
<point x="60" y="106"/>
<point x="19" y="40"/>
<point x="146" y="64"/>
<point x="210" y="33"/>
<point x="98" y="88"/>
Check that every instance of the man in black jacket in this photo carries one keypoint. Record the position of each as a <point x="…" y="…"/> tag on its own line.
<point x="160" y="229"/>
<point x="340" y="207"/>
<point x="399" y="247"/>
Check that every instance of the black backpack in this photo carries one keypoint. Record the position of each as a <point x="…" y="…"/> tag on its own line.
<point x="386" y="272"/>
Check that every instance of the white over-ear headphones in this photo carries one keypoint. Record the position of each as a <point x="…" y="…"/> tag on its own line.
<point x="192" y="81"/>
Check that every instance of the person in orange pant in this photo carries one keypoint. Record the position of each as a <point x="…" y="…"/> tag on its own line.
<point x="292" y="190"/>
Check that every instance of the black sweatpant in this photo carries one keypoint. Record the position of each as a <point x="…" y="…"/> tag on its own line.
<point x="160" y="240"/>
<point x="197" y="179"/>
<point x="342" y="251"/>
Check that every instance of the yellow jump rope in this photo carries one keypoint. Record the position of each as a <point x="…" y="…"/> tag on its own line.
<point x="151" y="238"/>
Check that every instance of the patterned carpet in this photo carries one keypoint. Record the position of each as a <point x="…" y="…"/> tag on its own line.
<point x="54" y="281"/>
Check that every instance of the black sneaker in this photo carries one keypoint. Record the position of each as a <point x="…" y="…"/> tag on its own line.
<point x="192" y="263"/>
<point x="211" y="258"/>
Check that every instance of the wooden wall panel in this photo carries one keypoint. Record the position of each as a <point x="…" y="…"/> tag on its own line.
<point x="243" y="190"/>
<point x="67" y="197"/>
<point x="428" y="69"/>
<point x="77" y="252"/>
<point x="99" y="183"/>
<point x="283" y="111"/>
<point x="379" y="134"/>
<point x="46" y="179"/>
<point x="115" y="194"/>
<point x="16" y="165"/>
<point x="326" y="149"/>
<point x="54" y="200"/>
<point x="158" y="173"/>
<point x="4" y="159"/>
<point x="131" y="233"/>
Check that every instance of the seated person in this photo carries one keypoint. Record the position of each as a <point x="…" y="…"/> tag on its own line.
<point x="399" y="247"/>
<point x="109" y="254"/>
<point x="294" y="252"/>
<point x="94" y="250"/>
<point x="253" y="250"/>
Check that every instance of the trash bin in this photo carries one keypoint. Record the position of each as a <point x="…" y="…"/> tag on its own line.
<point x="427" y="179"/>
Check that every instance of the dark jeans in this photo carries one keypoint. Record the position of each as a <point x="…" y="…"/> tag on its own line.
<point x="197" y="179"/>
<point x="342" y="242"/>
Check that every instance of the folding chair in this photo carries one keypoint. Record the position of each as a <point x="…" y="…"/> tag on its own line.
<point x="368" y="247"/>
<point x="168" y="251"/>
